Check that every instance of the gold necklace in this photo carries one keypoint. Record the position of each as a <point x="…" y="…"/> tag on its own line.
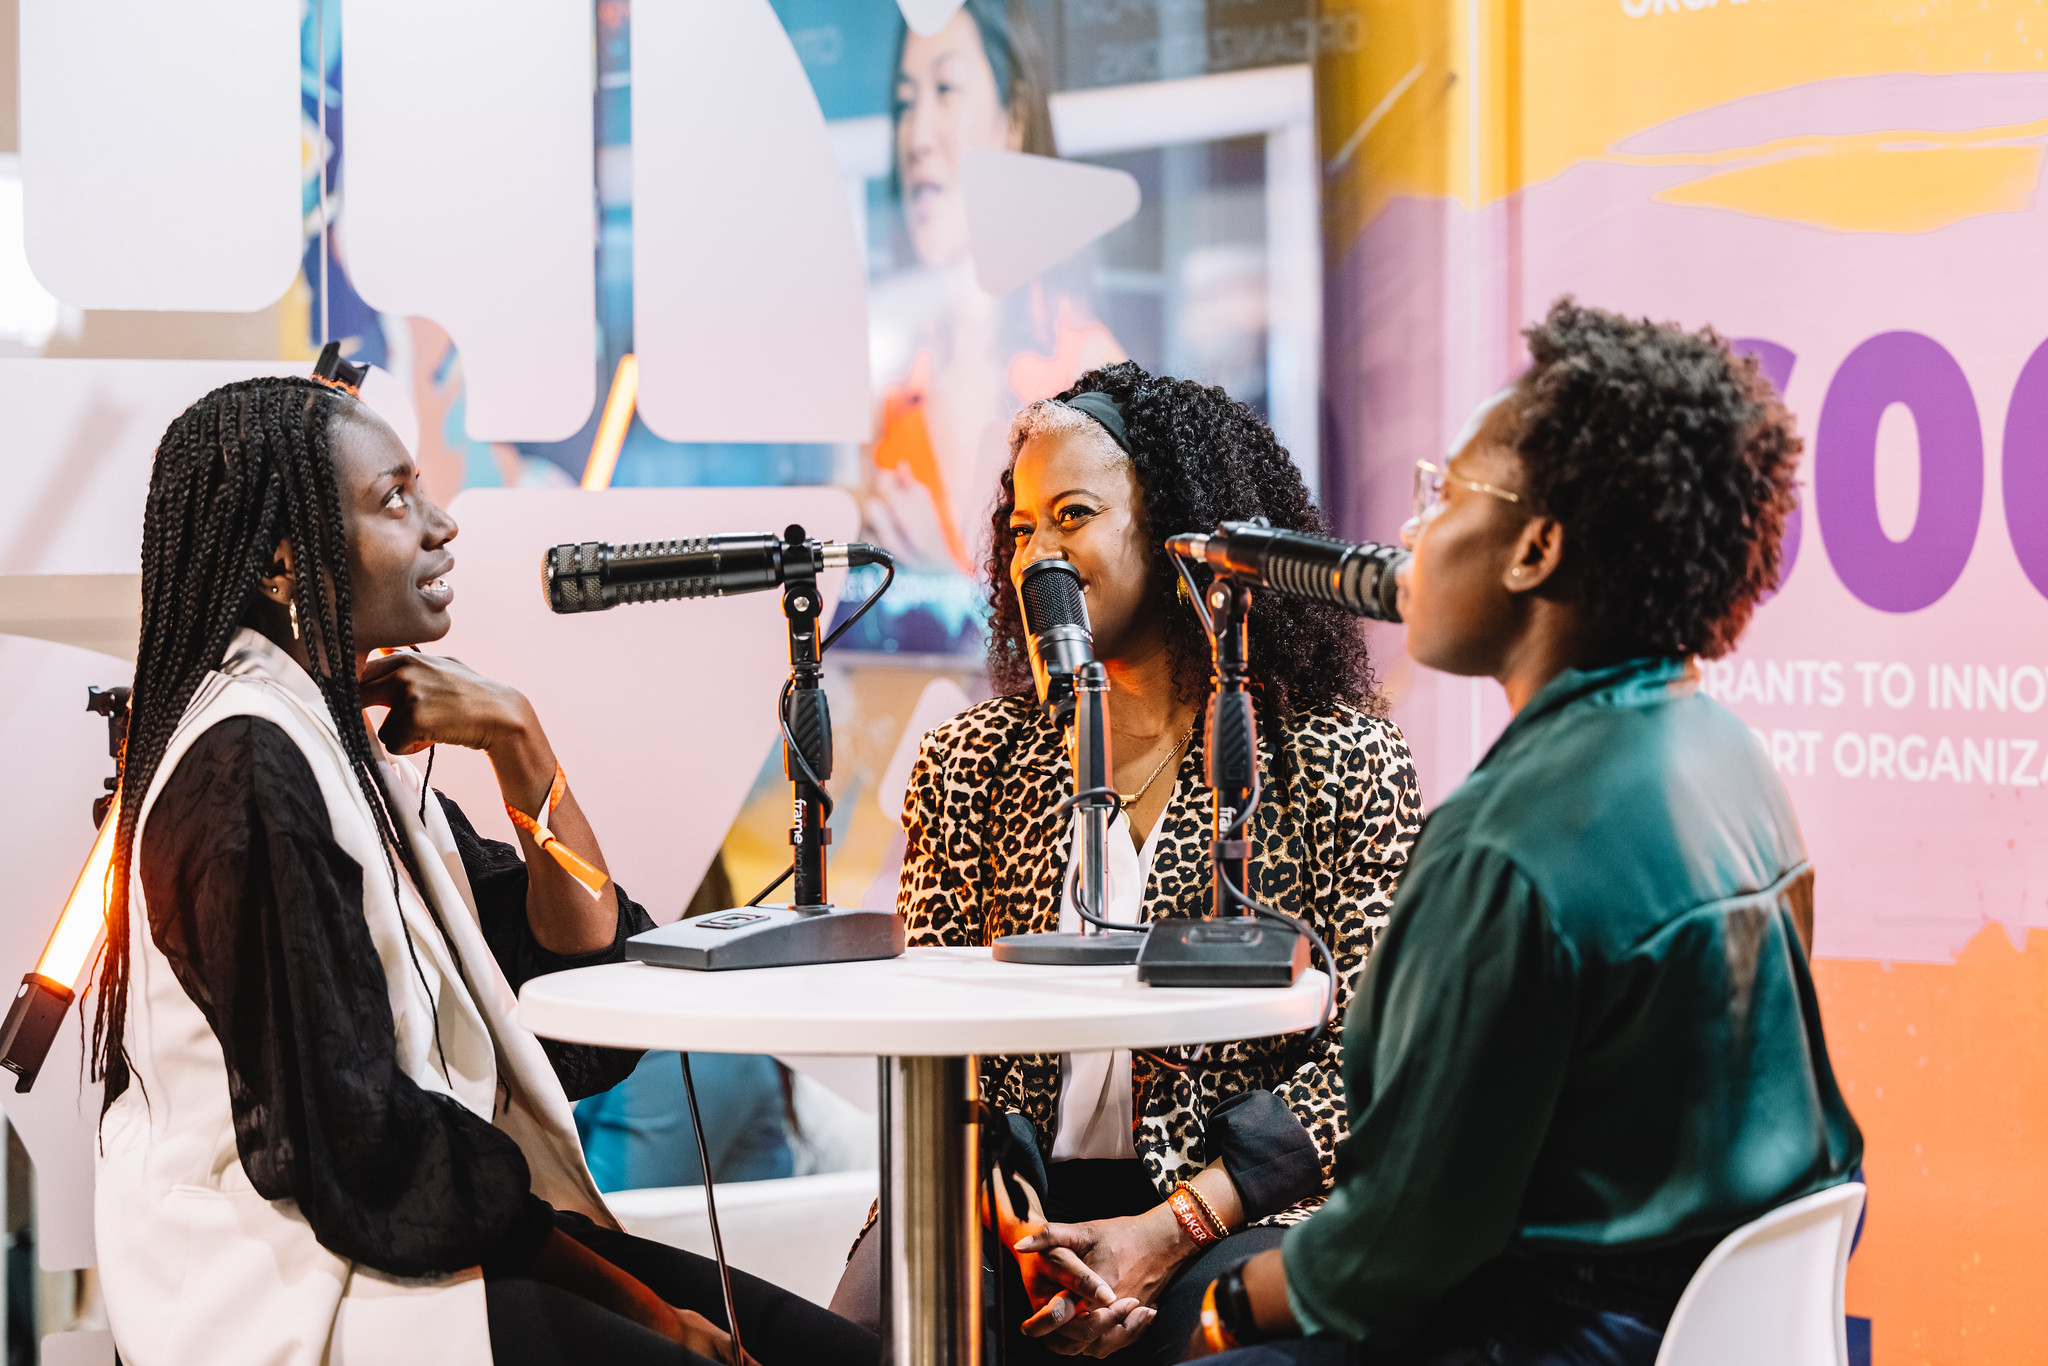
<point x="1134" y="798"/>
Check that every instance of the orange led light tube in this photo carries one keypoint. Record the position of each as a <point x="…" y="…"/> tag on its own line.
<point x="45" y="994"/>
<point x="611" y="429"/>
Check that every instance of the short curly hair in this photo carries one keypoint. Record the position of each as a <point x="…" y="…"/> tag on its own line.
<point x="1669" y="461"/>
<point x="1202" y="457"/>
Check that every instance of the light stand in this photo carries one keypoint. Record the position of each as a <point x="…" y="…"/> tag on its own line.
<point x="809" y="929"/>
<point x="1232" y="947"/>
<point x="45" y="994"/>
<point x="1098" y="942"/>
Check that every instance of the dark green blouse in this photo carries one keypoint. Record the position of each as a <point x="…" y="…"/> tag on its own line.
<point x="1589" y="1024"/>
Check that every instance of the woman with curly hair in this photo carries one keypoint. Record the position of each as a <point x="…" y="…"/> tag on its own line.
<point x="1101" y="476"/>
<point x="1588" y="1046"/>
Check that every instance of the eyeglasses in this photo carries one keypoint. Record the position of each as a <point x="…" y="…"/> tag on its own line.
<point x="1429" y="492"/>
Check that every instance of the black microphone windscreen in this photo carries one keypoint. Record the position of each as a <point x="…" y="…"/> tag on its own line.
<point x="1050" y="593"/>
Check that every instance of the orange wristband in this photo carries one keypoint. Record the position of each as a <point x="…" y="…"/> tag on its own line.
<point x="592" y="877"/>
<point x="1182" y="1203"/>
<point x="1215" y="1336"/>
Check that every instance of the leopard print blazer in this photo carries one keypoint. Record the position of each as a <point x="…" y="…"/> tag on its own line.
<point x="987" y="851"/>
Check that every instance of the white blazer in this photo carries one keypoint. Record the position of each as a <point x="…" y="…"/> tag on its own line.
<point x="198" y="1268"/>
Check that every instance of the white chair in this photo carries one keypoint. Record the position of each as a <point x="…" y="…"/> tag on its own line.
<point x="1771" y="1293"/>
<point x="792" y="1230"/>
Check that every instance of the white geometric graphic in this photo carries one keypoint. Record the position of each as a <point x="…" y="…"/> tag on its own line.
<point x="468" y="195"/>
<point x="749" y="289"/>
<point x="160" y="152"/>
<point x="927" y="17"/>
<point x="1025" y="213"/>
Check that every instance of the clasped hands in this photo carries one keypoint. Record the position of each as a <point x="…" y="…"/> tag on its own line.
<point x="1091" y="1285"/>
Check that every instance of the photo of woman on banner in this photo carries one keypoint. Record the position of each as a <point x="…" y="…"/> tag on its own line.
<point x="953" y="361"/>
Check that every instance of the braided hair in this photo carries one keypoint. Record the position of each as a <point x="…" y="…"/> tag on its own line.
<point x="247" y="466"/>
<point x="1202" y="457"/>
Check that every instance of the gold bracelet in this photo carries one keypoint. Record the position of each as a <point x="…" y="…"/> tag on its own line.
<point x="1214" y="1335"/>
<point x="1222" y="1229"/>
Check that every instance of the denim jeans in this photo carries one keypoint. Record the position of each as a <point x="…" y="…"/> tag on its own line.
<point x="1513" y="1313"/>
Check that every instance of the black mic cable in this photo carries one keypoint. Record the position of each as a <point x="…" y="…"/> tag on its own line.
<point x="1061" y="644"/>
<point x="888" y="563"/>
<point x="1242" y="824"/>
<point x="732" y="1319"/>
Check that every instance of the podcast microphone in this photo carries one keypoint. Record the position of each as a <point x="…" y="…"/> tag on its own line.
<point x="1357" y="576"/>
<point x="1073" y="689"/>
<point x="595" y="575"/>
<point x="1056" y="632"/>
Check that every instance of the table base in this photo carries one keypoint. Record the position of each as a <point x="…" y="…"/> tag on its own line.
<point x="930" y="1212"/>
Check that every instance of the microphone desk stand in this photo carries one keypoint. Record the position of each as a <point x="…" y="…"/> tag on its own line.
<point x="1231" y="947"/>
<point x="809" y="929"/>
<point x="1095" y="800"/>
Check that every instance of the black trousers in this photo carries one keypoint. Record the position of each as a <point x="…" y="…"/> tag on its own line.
<point x="534" y="1324"/>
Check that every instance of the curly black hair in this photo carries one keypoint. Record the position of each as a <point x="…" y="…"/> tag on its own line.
<point x="1669" y="461"/>
<point x="1202" y="457"/>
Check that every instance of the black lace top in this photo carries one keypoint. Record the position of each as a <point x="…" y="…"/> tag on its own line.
<point x="261" y="916"/>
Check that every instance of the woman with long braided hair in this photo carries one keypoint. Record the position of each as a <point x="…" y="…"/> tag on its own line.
<point x="326" y="1139"/>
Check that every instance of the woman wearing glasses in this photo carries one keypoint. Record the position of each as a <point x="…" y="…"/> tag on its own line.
<point x="1587" y="1047"/>
<point x="1160" y="1170"/>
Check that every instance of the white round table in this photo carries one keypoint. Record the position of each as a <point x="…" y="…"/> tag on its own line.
<point x="927" y="1015"/>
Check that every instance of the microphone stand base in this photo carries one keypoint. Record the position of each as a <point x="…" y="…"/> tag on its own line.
<point x="1110" y="948"/>
<point x="770" y="937"/>
<point x="1234" y="951"/>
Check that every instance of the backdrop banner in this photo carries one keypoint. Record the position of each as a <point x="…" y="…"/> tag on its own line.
<point x="1850" y="193"/>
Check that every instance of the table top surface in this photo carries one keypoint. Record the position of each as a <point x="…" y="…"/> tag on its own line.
<point x="929" y="1003"/>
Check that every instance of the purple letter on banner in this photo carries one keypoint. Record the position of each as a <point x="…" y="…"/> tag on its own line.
<point x="2025" y="461"/>
<point x="1776" y="362"/>
<point x="1899" y="367"/>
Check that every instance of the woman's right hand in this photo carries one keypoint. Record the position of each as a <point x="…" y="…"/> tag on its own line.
<point x="1058" y="1283"/>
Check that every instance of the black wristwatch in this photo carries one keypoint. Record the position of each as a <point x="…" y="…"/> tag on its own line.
<point x="1234" y="1308"/>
